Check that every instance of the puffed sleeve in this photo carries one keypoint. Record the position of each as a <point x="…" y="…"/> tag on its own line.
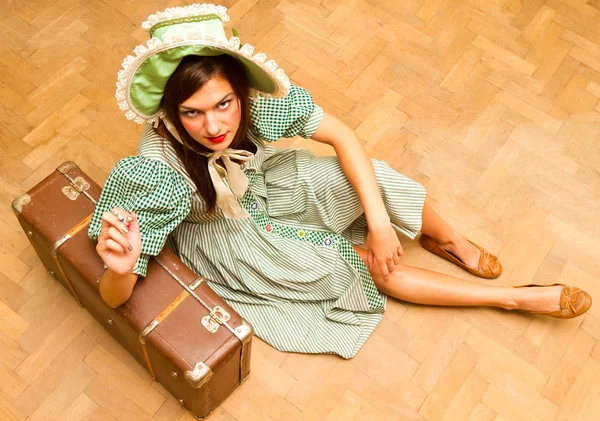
<point x="296" y="114"/>
<point x="157" y="194"/>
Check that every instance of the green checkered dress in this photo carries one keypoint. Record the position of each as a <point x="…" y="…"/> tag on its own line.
<point x="289" y="269"/>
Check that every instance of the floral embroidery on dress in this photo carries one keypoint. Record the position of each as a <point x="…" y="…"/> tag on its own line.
<point x="316" y="237"/>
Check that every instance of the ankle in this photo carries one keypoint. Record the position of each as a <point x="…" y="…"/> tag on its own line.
<point x="511" y="301"/>
<point x="450" y="240"/>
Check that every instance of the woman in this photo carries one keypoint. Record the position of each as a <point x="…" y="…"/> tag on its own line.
<point x="275" y="231"/>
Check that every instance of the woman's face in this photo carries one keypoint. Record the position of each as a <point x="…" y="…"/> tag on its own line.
<point x="212" y="115"/>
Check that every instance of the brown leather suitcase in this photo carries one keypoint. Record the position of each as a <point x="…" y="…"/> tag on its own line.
<point x="190" y="340"/>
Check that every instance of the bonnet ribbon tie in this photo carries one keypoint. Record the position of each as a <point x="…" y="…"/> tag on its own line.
<point x="237" y="182"/>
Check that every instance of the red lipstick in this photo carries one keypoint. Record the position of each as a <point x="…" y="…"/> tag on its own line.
<point x="217" y="139"/>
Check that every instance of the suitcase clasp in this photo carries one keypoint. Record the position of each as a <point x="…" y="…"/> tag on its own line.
<point x="70" y="192"/>
<point x="78" y="186"/>
<point x="216" y="318"/>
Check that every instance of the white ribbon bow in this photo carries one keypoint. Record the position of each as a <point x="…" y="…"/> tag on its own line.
<point x="237" y="182"/>
<point x="229" y="182"/>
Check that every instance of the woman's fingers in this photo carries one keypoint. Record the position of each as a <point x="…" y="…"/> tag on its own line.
<point x="396" y="259"/>
<point x="111" y="219"/>
<point x="118" y="218"/>
<point x="133" y="226"/>
<point x="370" y="259"/>
<point x="119" y="242"/>
<point x="109" y="245"/>
<point x="122" y="215"/>
<point x="384" y="268"/>
<point x="117" y="225"/>
<point x="387" y="265"/>
<point x="112" y="234"/>
<point x="391" y="265"/>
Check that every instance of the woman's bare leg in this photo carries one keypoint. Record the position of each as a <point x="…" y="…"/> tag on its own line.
<point x="422" y="286"/>
<point x="447" y="238"/>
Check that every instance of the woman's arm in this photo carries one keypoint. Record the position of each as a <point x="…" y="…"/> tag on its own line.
<point x="383" y="243"/>
<point x="115" y="289"/>
<point x="162" y="197"/>
<point x="119" y="247"/>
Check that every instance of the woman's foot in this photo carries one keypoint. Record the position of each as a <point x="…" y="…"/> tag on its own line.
<point x="537" y="299"/>
<point x="558" y="300"/>
<point x="464" y="250"/>
<point x="464" y="253"/>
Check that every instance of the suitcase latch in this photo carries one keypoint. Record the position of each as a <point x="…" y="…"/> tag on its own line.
<point x="78" y="185"/>
<point x="216" y="318"/>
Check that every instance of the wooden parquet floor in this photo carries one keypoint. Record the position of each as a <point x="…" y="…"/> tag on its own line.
<point x="492" y="105"/>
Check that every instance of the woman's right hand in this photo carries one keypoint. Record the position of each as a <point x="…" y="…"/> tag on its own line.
<point x="119" y="243"/>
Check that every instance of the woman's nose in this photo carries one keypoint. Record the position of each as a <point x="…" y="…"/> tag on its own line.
<point x="213" y="127"/>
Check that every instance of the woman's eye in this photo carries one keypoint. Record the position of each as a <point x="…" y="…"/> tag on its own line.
<point x="190" y="113"/>
<point x="223" y="105"/>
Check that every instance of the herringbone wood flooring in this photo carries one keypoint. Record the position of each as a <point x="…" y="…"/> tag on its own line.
<point x="493" y="105"/>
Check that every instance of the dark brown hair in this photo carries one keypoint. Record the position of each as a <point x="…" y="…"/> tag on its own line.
<point x="191" y="74"/>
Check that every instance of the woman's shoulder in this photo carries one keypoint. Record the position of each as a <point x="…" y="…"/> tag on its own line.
<point x="296" y="96"/>
<point x="155" y="148"/>
<point x="153" y="145"/>
<point x="155" y="162"/>
<point x="274" y="118"/>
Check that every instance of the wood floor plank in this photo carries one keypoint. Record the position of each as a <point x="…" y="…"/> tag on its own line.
<point x="493" y="106"/>
<point x="54" y="344"/>
<point x="65" y="394"/>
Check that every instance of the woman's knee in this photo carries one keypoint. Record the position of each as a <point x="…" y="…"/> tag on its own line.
<point x="394" y="279"/>
<point x="376" y="273"/>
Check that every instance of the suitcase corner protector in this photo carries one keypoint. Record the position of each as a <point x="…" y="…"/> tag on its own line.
<point x="17" y="204"/>
<point x="200" y="374"/>
<point x="67" y="166"/>
<point x="244" y="332"/>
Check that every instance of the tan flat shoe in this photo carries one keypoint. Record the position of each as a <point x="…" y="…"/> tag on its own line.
<point x="489" y="267"/>
<point x="573" y="302"/>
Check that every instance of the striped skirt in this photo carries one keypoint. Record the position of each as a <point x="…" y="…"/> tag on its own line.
<point x="290" y="269"/>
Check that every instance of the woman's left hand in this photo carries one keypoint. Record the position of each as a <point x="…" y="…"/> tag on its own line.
<point x="384" y="249"/>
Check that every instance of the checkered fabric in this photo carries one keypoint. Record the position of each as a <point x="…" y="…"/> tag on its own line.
<point x="158" y="195"/>
<point x="285" y="117"/>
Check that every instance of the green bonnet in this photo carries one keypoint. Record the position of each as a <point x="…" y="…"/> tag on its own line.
<point x="177" y="32"/>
